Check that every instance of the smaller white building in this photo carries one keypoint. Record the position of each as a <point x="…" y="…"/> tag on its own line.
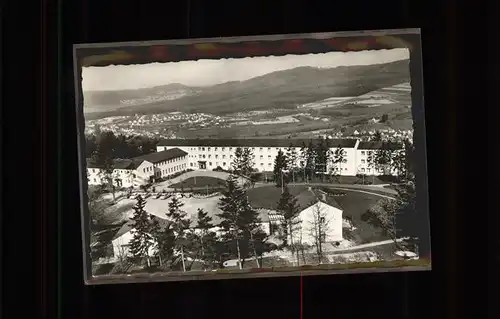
<point x="319" y="220"/>
<point x="140" y="170"/>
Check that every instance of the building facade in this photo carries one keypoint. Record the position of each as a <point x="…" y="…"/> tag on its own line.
<point x="211" y="154"/>
<point x="140" y="170"/>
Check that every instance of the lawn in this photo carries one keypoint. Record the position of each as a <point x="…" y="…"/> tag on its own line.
<point x="354" y="205"/>
<point x="199" y="182"/>
<point x="268" y="196"/>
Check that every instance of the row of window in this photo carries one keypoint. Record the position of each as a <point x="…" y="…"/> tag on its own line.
<point x="173" y="169"/>
<point x="223" y="149"/>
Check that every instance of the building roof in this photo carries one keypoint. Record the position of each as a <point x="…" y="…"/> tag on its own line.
<point x="117" y="163"/>
<point x="379" y="145"/>
<point x="157" y="157"/>
<point x="344" y="143"/>
<point x="331" y="204"/>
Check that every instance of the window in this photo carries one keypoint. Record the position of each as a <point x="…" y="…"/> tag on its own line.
<point x="216" y="163"/>
<point x="191" y="164"/>
<point x="202" y="148"/>
<point x="216" y="156"/>
<point x="215" y="148"/>
<point x="362" y="152"/>
<point x="262" y="156"/>
<point x="223" y="149"/>
<point x="363" y="161"/>
<point x="370" y="152"/>
<point x="261" y="164"/>
<point x="199" y="148"/>
<point x="261" y="149"/>
<point x="210" y="163"/>
<point x="224" y="164"/>
<point x="144" y="170"/>
<point x="223" y="156"/>
<point x="209" y="156"/>
<point x="230" y="156"/>
<point x="204" y="155"/>
<point x="269" y="149"/>
<point x="208" y="149"/>
<point x="268" y="156"/>
<point x="95" y="180"/>
<point x="363" y="170"/>
<point x="230" y="148"/>
<point x="269" y="164"/>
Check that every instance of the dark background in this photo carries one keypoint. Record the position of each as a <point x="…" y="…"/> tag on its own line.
<point x="52" y="153"/>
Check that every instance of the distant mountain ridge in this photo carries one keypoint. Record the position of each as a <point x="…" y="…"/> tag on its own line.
<point x="127" y="97"/>
<point x="280" y="89"/>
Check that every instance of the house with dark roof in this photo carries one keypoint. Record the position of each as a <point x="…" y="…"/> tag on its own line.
<point x="139" y="170"/>
<point x="207" y="154"/>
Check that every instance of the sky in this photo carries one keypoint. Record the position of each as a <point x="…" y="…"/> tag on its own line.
<point x="208" y="72"/>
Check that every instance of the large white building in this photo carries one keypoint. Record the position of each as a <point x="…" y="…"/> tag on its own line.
<point x="205" y="154"/>
<point x="140" y="170"/>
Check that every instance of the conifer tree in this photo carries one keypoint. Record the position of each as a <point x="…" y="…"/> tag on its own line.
<point x="280" y="165"/>
<point x="292" y="158"/>
<point x="290" y="209"/>
<point x="238" y="220"/>
<point x="180" y="223"/>
<point x="207" y="238"/>
<point x="142" y="239"/>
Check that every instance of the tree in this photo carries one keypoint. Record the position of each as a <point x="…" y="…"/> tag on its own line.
<point x="397" y="218"/>
<point x="308" y="155"/>
<point x="96" y="208"/>
<point x="207" y="239"/>
<point x="290" y="209"/>
<point x="399" y="164"/>
<point x="370" y="161"/>
<point x="319" y="229"/>
<point x="384" y="118"/>
<point x="164" y="238"/>
<point x="292" y="157"/>
<point x="382" y="215"/>
<point x="377" y="137"/>
<point x="383" y="158"/>
<point x="238" y="220"/>
<point x="142" y="239"/>
<point x="321" y="152"/>
<point x="339" y="157"/>
<point x="180" y="223"/>
<point x="243" y="161"/>
<point x="280" y="165"/>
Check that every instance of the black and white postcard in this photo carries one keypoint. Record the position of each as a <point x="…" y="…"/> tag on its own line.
<point x="252" y="157"/>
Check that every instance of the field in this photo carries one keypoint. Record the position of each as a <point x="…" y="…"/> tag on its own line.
<point x="198" y="182"/>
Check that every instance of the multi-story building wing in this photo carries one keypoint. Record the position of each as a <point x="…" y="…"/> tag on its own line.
<point x="366" y="157"/>
<point x="140" y="170"/>
<point x="205" y="154"/>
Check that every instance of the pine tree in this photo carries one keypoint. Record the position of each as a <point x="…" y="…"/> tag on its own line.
<point x="310" y="158"/>
<point x="321" y="155"/>
<point x="280" y="165"/>
<point x="206" y="237"/>
<point x="142" y="239"/>
<point x="180" y="223"/>
<point x="238" y="220"/>
<point x="339" y="157"/>
<point x="165" y="242"/>
<point x="292" y="157"/>
<point x="290" y="209"/>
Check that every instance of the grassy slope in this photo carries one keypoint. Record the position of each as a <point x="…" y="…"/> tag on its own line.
<point x="283" y="89"/>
